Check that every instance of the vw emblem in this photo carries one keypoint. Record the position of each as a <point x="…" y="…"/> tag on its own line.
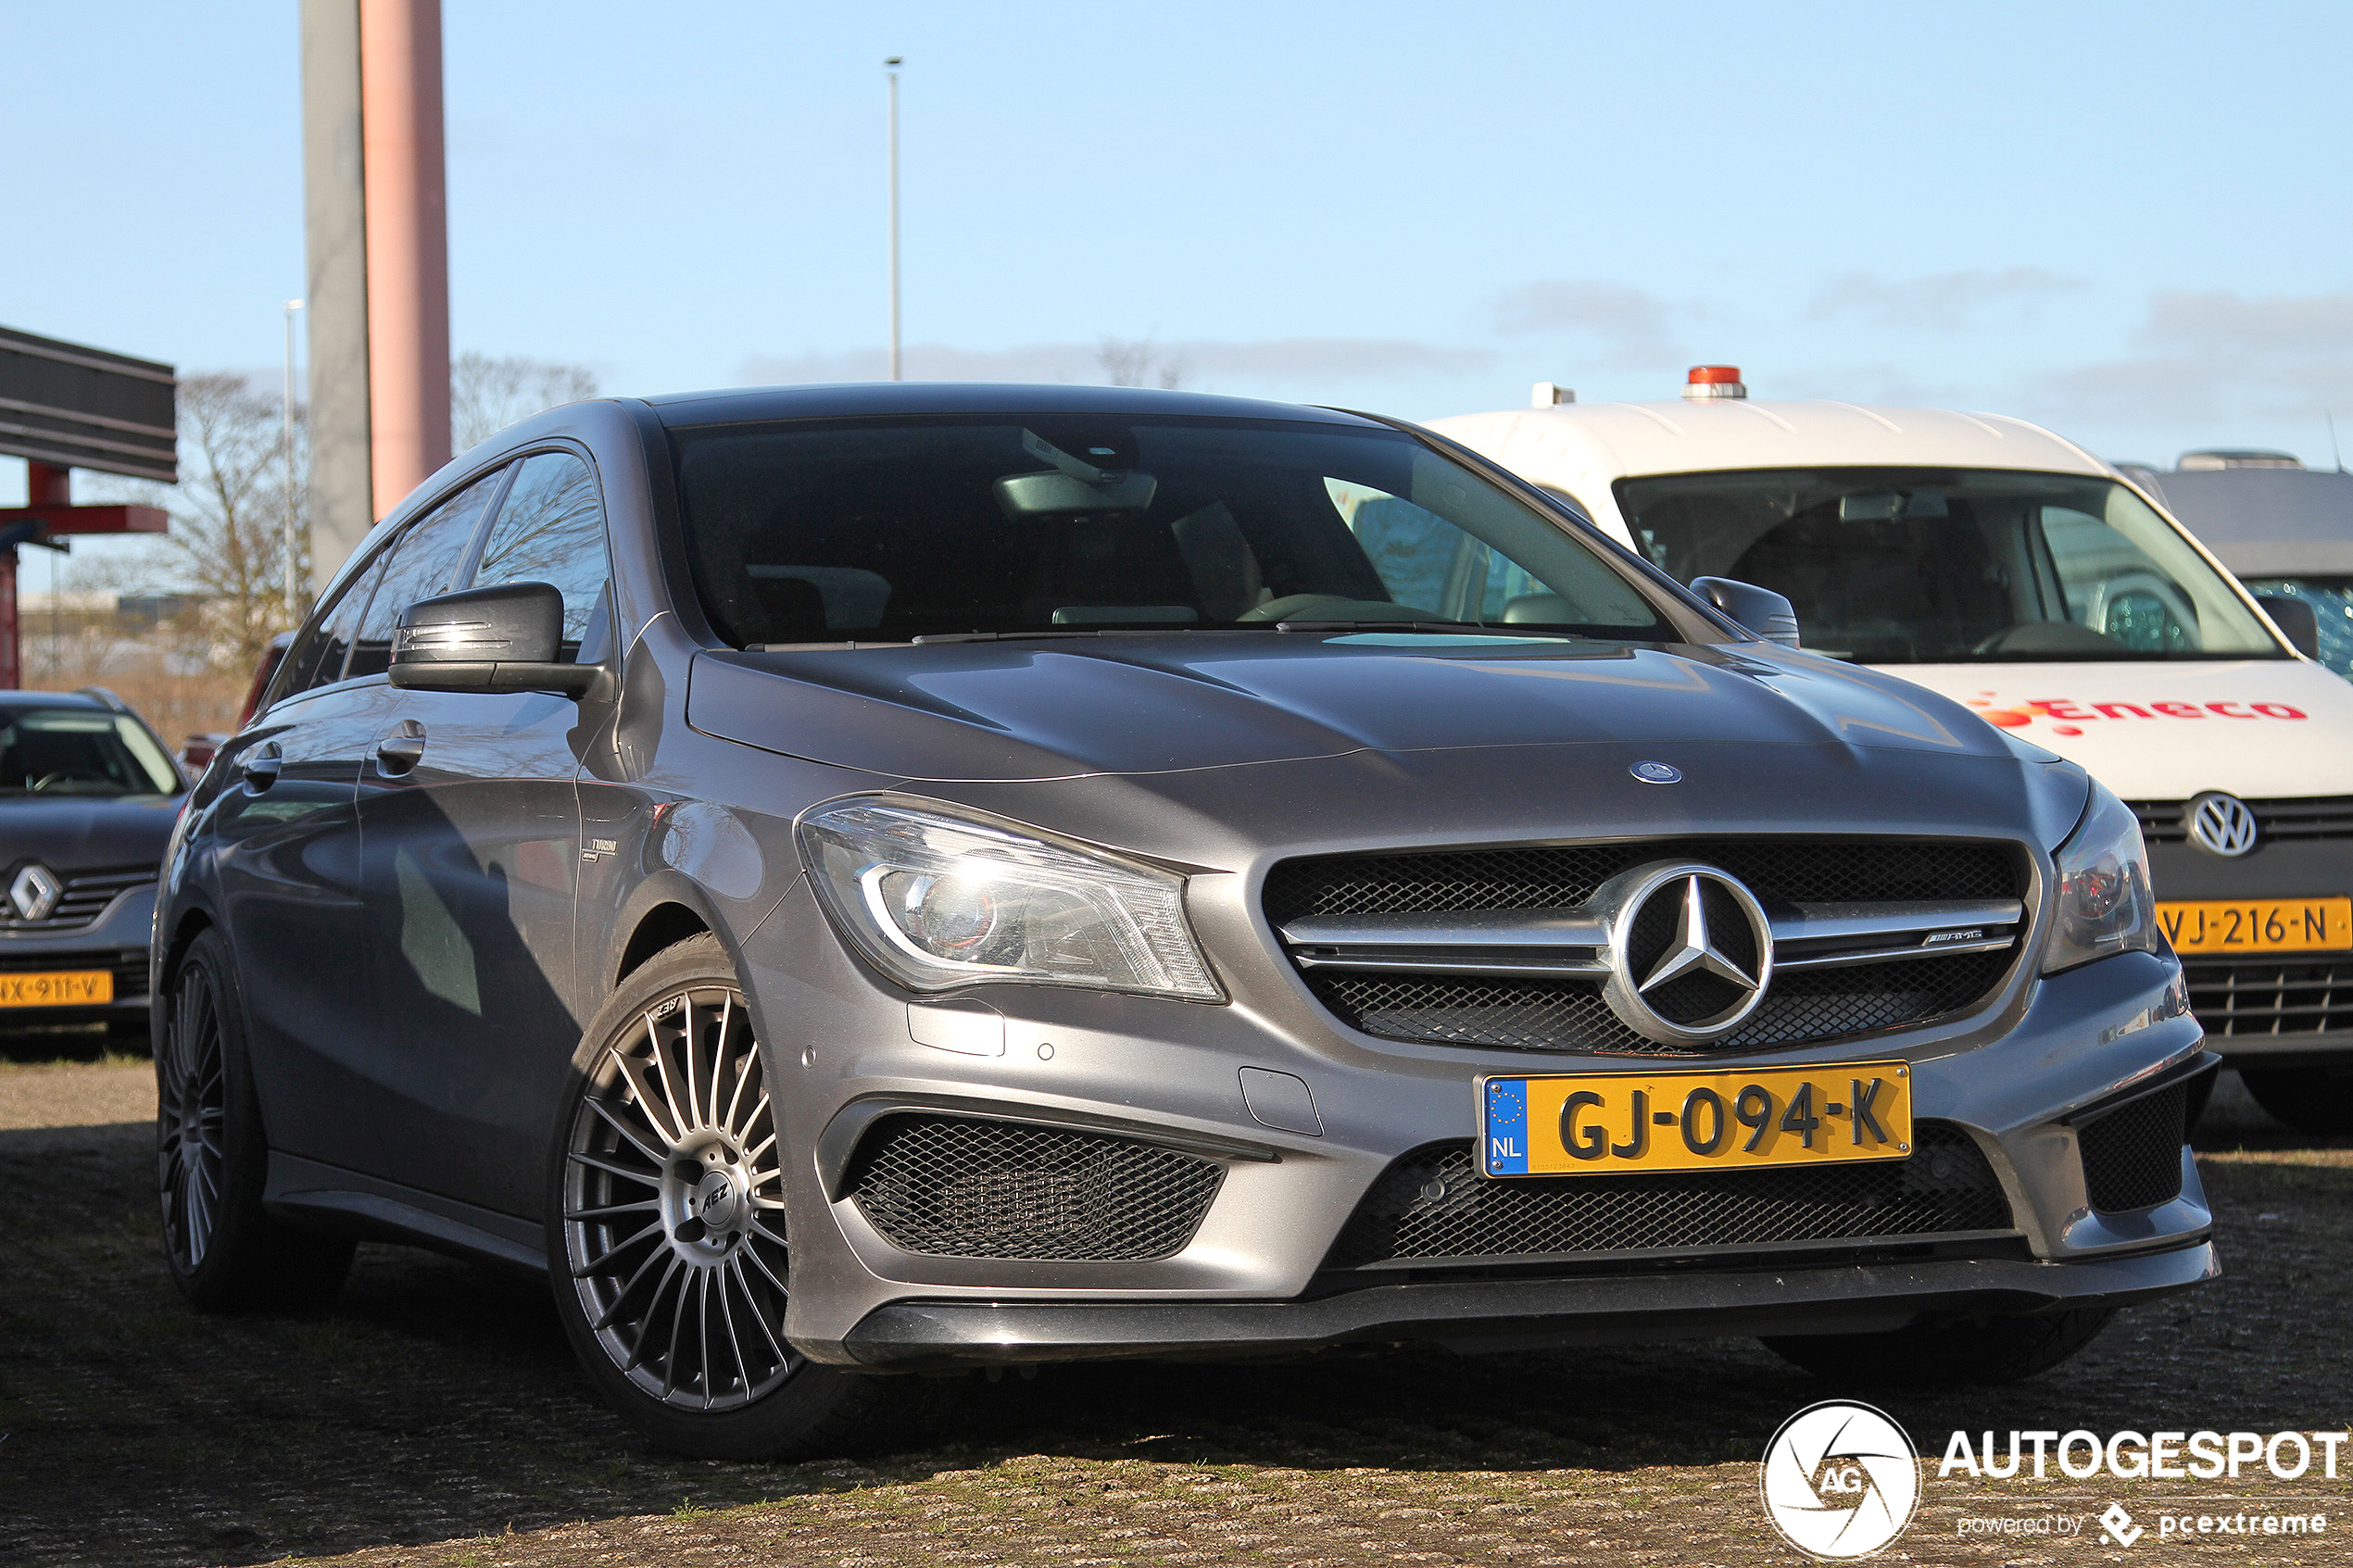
<point x="34" y="892"/>
<point x="1657" y="772"/>
<point x="2221" y="824"/>
<point x="1691" y="951"/>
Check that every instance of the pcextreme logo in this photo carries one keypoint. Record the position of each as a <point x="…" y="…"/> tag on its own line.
<point x="1840" y="1480"/>
<point x="2067" y="716"/>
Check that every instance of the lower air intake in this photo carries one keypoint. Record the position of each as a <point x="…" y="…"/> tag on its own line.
<point x="1431" y="1205"/>
<point x="952" y="1186"/>
<point x="2133" y="1155"/>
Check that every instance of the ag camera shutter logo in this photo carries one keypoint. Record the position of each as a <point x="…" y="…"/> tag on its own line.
<point x="1840" y="1480"/>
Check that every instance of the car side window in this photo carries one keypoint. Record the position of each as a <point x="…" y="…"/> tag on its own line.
<point x="318" y="659"/>
<point x="423" y="561"/>
<point x="551" y="529"/>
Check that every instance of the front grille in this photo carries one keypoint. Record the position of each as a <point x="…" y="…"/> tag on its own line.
<point x="2133" y="1155"/>
<point x="953" y="1186"/>
<point x="1432" y="1204"/>
<point x="2237" y="998"/>
<point x="82" y="900"/>
<point x="1802" y="1008"/>
<point x="1562" y="876"/>
<point x="2297" y="817"/>
<point x="128" y="965"/>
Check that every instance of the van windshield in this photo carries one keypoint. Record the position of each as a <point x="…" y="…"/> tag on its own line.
<point x="1921" y="566"/>
<point x="833" y="531"/>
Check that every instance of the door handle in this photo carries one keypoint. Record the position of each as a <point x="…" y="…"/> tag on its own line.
<point x="399" y="752"/>
<point x="260" y="767"/>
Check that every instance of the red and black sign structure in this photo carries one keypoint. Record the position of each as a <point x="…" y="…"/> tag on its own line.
<point x="65" y="407"/>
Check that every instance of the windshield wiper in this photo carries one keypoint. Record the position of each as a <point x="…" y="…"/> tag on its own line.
<point x="1439" y="628"/>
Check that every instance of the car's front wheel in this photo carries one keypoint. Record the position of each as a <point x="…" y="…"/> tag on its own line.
<point x="1966" y="1352"/>
<point x="666" y="1215"/>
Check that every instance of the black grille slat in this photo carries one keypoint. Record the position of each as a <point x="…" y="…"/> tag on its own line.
<point x="1432" y="1204"/>
<point x="82" y="898"/>
<point x="2133" y="1155"/>
<point x="1806" y="1007"/>
<point x="128" y="967"/>
<point x="2301" y="817"/>
<point x="2250" y="997"/>
<point x="962" y="1187"/>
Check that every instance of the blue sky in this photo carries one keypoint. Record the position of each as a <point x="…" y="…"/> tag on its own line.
<point x="2126" y="221"/>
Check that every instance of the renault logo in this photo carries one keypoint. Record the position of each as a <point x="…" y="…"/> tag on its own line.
<point x="1691" y="951"/>
<point x="2221" y="824"/>
<point x="34" y="892"/>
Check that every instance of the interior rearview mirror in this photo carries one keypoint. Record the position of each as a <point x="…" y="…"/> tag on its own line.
<point x="501" y="639"/>
<point x="2296" y="618"/>
<point x="1761" y="610"/>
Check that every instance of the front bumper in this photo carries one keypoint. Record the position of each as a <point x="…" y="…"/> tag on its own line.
<point x="1500" y="1316"/>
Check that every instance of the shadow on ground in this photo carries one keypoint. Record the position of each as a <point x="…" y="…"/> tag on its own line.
<point x="435" y="1401"/>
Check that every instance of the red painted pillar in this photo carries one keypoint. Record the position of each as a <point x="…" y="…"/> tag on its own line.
<point x="45" y="485"/>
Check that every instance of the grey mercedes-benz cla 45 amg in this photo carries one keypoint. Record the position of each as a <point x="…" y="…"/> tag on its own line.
<point x="859" y="880"/>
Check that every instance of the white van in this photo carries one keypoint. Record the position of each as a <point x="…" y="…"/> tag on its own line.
<point x="1994" y="562"/>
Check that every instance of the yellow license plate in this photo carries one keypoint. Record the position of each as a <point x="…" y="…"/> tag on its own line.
<point x="1597" y="1123"/>
<point x="72" y="988"/>
<point x="2257" y="925"/>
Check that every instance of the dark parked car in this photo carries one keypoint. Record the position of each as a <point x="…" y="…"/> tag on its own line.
<point x="87" y="797"/>
<point x="868" y="880"/>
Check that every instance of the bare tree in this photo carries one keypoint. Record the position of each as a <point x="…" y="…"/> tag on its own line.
<point x="1139" y="362"/>
<point x="487" y="395"/>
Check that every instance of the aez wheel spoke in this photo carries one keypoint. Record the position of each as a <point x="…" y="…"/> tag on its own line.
<point x="677" y="1108"/>
<point x="191" y="1118"/>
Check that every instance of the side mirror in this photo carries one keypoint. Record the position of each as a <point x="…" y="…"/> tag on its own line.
<point x="502" y="639"/>
<point x="2296" y="618"/>
<point x="1761" y="610"/>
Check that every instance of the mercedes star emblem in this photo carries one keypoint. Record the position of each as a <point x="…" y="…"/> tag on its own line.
<point x="2221" y="824"/>
<point x="1657" y="772"/>
<point x="34" y="892"/>
<point x="1691" y="951"/>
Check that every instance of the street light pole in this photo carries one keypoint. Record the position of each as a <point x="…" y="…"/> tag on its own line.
<point x="286" y="450"/>
<point x="890" y="68"/>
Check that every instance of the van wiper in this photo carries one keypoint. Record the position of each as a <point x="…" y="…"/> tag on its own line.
<point x="1443" y="628"/>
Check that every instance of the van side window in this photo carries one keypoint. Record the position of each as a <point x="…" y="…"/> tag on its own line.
<point x="424" y="560"/>
<point x="551" y="529"/>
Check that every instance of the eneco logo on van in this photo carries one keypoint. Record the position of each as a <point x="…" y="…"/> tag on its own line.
<point x="2067" y="716"/>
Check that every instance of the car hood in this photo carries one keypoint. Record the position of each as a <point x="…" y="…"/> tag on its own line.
<point x="68" y="834"/>
<point x="1014" y="710"/>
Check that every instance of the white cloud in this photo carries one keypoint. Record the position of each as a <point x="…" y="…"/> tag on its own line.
<point x="1280" y="361"/>
<point x="1947" y="301"/>
<point x="2212" y="354"/>
<point x="1631" y="325"/>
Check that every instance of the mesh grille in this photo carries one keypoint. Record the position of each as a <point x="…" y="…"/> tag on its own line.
<point x="1820" y="871"/>
<point x="2270" y="996"/>
<point x="1824" y="1004"/>
<point x="2306" y="817"/>
<point x="1432" y="1204"/>
<point x="954" y="1187"/>
<point x="2133" y="1155"/>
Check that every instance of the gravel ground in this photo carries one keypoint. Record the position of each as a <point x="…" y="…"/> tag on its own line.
<point x="435" y="1417"/>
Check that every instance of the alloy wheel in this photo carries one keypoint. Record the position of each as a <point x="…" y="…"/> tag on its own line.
<point x="191" y="1113"/>
<point x="674" y="1205"/>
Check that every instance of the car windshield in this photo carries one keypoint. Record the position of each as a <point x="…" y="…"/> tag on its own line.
<point x="79" y="751"/>
<point x="1912" y="566"/>
<point x="888" y="530"/>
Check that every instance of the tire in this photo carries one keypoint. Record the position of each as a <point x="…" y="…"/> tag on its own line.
<point x="212" y="1158"/>
<point x="650" y="1204"/>
<point x="1968" y="1353"/>
<point x="2311" y="1099"/>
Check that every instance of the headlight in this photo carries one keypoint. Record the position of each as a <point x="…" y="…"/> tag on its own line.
<point x="2103" y="901"/>
<point x="936" y="901"/>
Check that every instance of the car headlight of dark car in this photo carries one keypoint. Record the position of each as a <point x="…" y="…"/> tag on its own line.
<point x="2105" y="905"/>
<point x="937" y="901"/>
